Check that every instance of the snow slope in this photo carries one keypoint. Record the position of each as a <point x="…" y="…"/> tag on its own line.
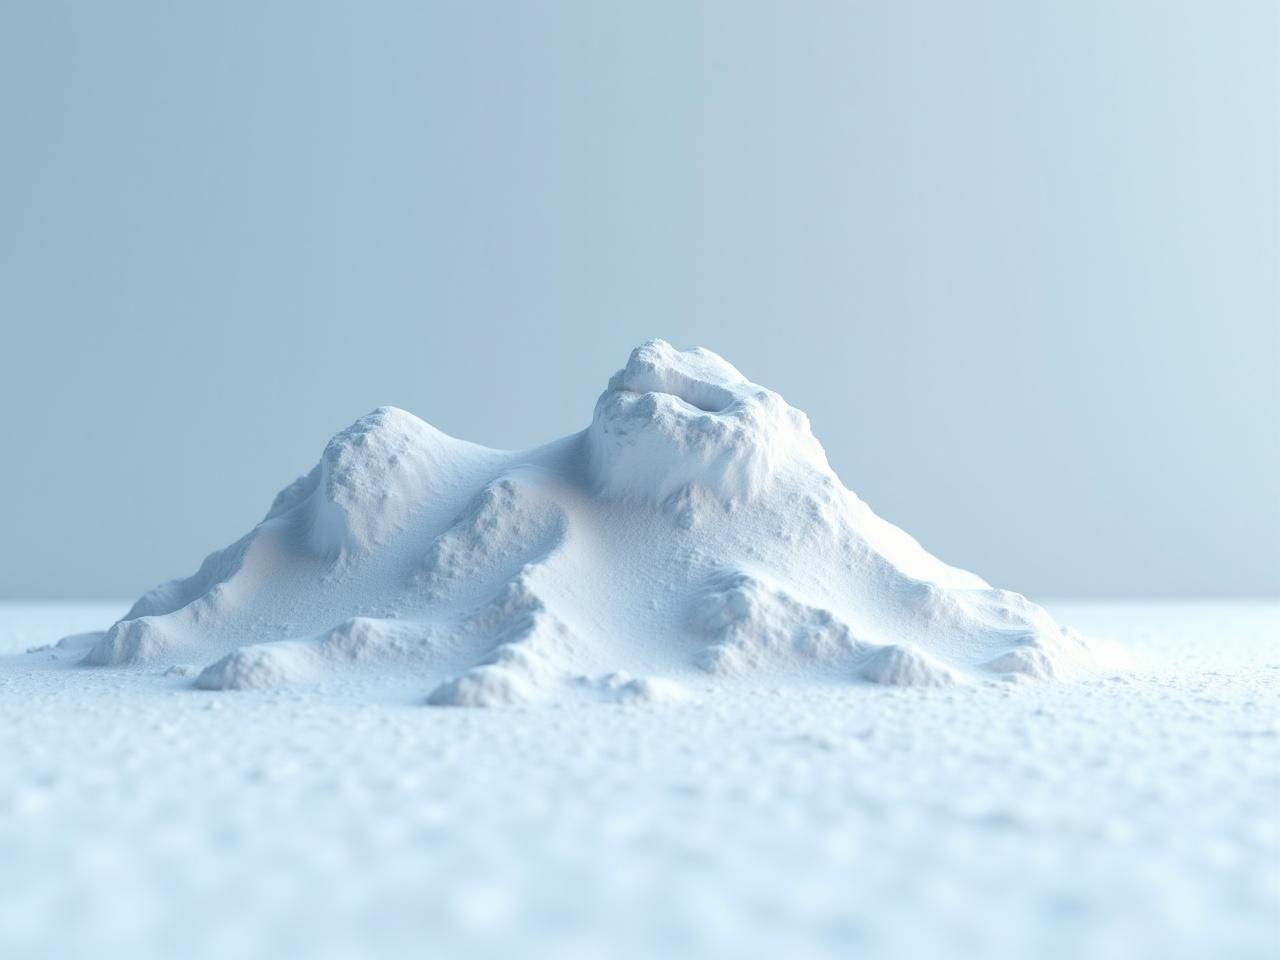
<point x="693" y="537"/>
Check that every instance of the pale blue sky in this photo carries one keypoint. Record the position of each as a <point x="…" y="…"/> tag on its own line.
<point x="1017" y="260"/>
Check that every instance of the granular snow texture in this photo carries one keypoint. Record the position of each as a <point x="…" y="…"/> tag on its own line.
<point x="737" y="714"/>
<point x="1125" y="817"/>
<point x="693" y="539"/>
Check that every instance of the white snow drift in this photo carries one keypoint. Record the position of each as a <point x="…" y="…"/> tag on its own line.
<point x="693" y="535"/>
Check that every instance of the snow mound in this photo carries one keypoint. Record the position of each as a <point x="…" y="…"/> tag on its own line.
<point x="265" y="666"/>
<point x="529" y="647"/>
<point x="139" y="640"/>
<point x="288" y="664"/>
<point x="904" y="665"/>
<point x="693" y="535"/>
<point x="370" y="479"/>
<point x="753" y="625"/>
<point x="507" y="525"/>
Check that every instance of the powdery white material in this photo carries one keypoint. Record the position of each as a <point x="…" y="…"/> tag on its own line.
<point x="753" y="625"/>
<point x="672" y="420"/>
<point x="370" y="480"/>
<point x="906" y="666"/>
<point x="694" y="537"/>
<point x="1131" y="817"/>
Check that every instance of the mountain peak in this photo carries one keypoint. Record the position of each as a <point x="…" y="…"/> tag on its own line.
<point x="674" y="419"/>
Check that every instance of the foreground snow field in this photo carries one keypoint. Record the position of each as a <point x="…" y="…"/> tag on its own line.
<point x="1129" y="817"/>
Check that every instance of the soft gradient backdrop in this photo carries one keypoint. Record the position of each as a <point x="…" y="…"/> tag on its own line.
<point x="1017" y="260"/>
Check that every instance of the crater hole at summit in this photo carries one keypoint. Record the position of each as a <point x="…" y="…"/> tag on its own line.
<point x="707" y="397"/>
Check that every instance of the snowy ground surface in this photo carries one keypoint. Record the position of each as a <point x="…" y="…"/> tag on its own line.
<point x="1135" y="817"/>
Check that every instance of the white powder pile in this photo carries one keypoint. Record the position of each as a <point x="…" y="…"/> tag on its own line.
<point x="692" y="538"/>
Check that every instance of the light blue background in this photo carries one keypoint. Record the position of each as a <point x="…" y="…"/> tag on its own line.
<point x="1017" y="260"/>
